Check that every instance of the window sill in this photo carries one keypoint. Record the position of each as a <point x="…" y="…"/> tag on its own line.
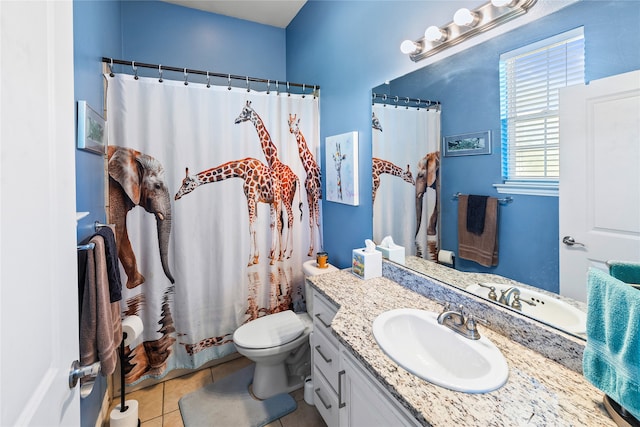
<point x="549" y="189"/>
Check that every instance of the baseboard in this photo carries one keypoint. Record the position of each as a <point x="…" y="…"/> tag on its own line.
<point x="103" y="416"/>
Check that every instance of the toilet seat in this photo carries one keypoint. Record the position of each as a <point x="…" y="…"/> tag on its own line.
<point x="269" y="331"/>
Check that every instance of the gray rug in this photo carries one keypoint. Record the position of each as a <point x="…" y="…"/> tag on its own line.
<point x="227" y="403"/>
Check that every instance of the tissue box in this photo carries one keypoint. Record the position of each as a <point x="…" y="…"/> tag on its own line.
<point x="396" y="254"/>
<point x="366" y="265"/>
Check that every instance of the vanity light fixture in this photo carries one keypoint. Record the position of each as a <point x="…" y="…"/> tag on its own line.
<point x="466" y="24"/>
<point x="465" y="18"/>
<point x="410" y="47"/>
<point x="435" y="34"/>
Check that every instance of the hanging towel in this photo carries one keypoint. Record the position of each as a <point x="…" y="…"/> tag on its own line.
<point x="113" y="268"/>
<point x="628" y="272"/>
<point x="476" y="212"/>
<point x="482" y="248"/>
<point x="611" y="359"/>
<point x="100" y="326"/>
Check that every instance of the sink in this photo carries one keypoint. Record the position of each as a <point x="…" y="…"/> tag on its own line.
<point x="415" y="341"/>
<point x="548" y="309"/>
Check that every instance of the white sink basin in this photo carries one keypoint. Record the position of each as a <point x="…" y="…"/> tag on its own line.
<point x="547" y="309"/>
<point x="414" y="340"/>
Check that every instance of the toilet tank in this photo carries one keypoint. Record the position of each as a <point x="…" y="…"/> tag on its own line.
<point x="310" y="268"/>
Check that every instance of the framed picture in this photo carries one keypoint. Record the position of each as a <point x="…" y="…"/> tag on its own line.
<point x="469" y="144"/>
<point x="92" y="131"/>
<point x="342" y="168"/>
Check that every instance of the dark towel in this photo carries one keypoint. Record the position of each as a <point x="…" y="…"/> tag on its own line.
<point x="113" y="269"/>
<point x="476" y="209"/>
<point x="482" y="248"/>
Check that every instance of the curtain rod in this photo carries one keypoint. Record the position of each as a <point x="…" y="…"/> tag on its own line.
<point x="134" y="64"/>
<point x="383" y="98"/>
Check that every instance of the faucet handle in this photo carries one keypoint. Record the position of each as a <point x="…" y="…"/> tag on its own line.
<point x="472" y="330"/>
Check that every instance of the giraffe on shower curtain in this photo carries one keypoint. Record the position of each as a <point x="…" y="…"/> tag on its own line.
<point x="411" y="137"/>
<point x="214" y="230"/>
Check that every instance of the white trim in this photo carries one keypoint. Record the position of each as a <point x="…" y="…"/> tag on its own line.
<point x="549" y="189"/>
<point x="543" y="44"/>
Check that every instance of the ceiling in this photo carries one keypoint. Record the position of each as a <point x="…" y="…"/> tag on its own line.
<point x="277" y="13"/>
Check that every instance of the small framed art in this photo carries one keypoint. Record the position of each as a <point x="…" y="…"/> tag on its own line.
<point x="468" y="144"/>
<point x="342" y="168"/>
<point x="92" y="130"/>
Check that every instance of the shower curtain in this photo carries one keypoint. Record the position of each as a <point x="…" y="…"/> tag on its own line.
<point x="216" y="176"/>
<point x="406" y="184"/>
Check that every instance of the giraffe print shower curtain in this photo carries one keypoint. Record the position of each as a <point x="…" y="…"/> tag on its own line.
<point x="215" y="198"/>
<point x="406" y="177"/>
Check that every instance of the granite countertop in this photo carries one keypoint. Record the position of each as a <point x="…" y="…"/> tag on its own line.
<point x="539" y="391"/>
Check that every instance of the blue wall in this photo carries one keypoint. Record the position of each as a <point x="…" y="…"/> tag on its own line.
<point x="96" y="32"/>
<point x="163" y="33"/>
<point x="346" y="49"/>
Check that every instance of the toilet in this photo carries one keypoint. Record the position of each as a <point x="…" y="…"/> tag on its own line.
<point x="279" y="345"/>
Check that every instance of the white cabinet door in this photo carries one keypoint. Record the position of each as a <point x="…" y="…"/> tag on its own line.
<point x="599" y="178"/>
<point x="39" y="285"/>
<point x="364" y="403"/>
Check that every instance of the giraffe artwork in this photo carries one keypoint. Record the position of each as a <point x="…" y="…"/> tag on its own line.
<point x="312" y="183"/>
<point x="383" y="166"/>
<point x="260" y="186"/>
<point x="338" y="157"/>
<point x="288" y="179"/>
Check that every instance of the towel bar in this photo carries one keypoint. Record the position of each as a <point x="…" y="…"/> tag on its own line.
<point x="503" y="201"/>
<point x="98" y="224"/>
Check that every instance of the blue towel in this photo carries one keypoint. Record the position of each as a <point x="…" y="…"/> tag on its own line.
<point x="628" y="272"/>
<point x="611" y="359"/>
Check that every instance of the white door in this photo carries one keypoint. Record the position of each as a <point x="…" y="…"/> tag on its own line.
<point x="599" y="178"/>
<point x="38" y="278"/>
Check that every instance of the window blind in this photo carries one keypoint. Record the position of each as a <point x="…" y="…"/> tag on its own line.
<point x="529" y="112"/>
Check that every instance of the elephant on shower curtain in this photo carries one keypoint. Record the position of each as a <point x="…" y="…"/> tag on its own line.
<point x="137" y="179"/>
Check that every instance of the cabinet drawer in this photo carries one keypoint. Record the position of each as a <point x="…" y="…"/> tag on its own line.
<point x="326" y="357"/>
<point x="323" y="312"/>
<point x="325" y="399"/>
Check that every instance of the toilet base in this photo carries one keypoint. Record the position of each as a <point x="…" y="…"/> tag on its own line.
<point x="270" y="380"/>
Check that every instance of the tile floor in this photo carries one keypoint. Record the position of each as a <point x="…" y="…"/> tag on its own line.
<point x="158" y="404"/>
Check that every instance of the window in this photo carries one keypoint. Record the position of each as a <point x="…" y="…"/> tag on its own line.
<point x="529" y="112"/>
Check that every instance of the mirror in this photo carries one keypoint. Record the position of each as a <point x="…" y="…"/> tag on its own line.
<point x="467" y="86"/>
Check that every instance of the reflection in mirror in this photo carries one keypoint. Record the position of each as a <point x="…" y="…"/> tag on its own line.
<point x="405" y="173"/>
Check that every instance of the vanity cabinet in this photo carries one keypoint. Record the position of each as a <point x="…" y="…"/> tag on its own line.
<point x="345" y="394"/>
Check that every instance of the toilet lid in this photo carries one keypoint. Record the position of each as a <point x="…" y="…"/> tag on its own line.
<point x="269" y="331"/>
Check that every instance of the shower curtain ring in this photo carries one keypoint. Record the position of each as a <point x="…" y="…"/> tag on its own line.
<point x="277" y="87"/>
<point x="248" y="87"/>
<point x="384" y="99"/>
<point x="135" y="70"/>
<point x="229" y="82"/>
<point x="419" y="103"/>
<point x="303" y="89"/>
<point x="268" y="86"/>
<point x="160" y="72"/>
<point x="314" y="91"/>
<point x="407" y="103"/>
<point x="288" y="90"/>
<point x="396" y="101"/>
<point x="186" y="76"/>
<point x="208" y="80"/>
<point x="111" y="68"/>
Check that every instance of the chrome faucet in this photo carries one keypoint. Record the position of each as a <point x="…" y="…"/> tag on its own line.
<point x="456" y="321"/>
<point x="505" y="295"/>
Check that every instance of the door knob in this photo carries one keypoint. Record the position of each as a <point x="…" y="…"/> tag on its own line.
<point x="569" y="241"/>
<point x="76" y="372"/>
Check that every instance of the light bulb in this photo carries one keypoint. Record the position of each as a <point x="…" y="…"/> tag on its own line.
<point x="408" y="47"/>
<point x="465" y="18"/>
<point x="435" y="34"/>
<point x="503" y="3"/>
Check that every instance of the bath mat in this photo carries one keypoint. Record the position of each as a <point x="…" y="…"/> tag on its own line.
<point x="228" y="403"/>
